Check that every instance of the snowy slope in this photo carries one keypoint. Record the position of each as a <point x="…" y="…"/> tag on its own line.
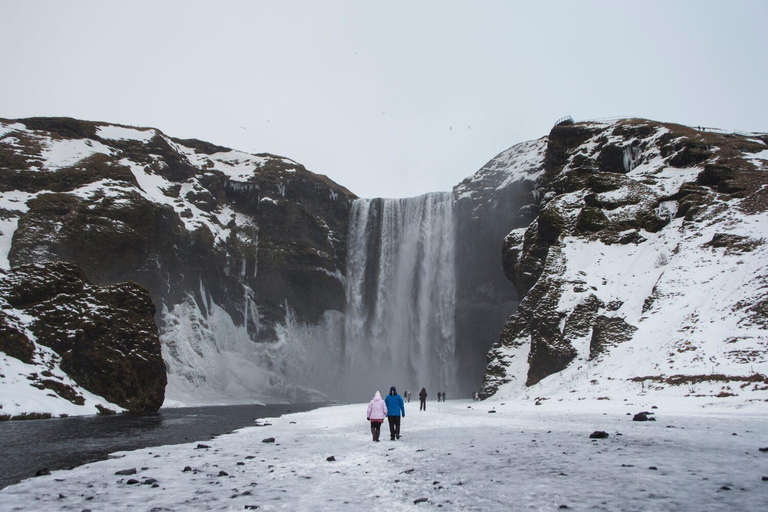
<point x="645" y="272"/>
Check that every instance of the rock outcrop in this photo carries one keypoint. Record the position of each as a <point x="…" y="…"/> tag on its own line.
<point x="647" y="257"/>
<point x="103" y="338"/>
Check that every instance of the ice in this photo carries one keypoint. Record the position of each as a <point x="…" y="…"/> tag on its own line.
<point x="456" y="455"/>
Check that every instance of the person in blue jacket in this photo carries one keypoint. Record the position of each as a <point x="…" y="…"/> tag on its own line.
<point x="395" y="409"/>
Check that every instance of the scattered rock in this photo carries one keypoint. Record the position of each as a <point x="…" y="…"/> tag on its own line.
<point x="149" y="481"/>
<point x="765" y="479"/>
<point x="268" y="440"/>
<point x="249" y="457"/>
<point x="407" y="471"/>
<point x="491" y="412"/>
<point x="251" y="507"/>
<point x="654" y="407"/>
<point x="202" y="446"/>
<point x="654" y="468"/>
<point x="725" y="488"/>
<point x="643" y="416"/>
<point x="420" y="500"/>
<point x="132" y="481"/>
<point x="734" y="434"/>
<point x="763" y="449"/>
<point x="42" y="472"/>
<point x="241" y="463"/>
<point x="598" y="434"/>
<point x="331" y="459"/>
<point x="223" y="473"/>
<point x="563" y="506"/>
<point x="124" y="472"/>
<point x="186" y="468"/>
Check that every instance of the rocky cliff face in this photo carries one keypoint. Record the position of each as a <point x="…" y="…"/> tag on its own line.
<point x="230" y="245"/>
<point x="645" y="267"/>
<point x="72" y="347"/>
<point x="487" y="205"/>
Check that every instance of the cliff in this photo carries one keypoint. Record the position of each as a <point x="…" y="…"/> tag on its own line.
<point x="230" y="245"/>
<point x="644" y="269"/>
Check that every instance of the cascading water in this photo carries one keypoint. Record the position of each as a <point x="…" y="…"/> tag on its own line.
<point x="401" y="295"/>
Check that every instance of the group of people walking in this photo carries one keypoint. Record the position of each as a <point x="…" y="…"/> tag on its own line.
<point x="392" y="407"/>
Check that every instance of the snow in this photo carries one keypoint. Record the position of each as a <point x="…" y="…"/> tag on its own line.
<point x="17" y="396"/>
<point x="8" y="128"/>
<point x="60" y="153"/>
<point x="455" y="455"/>
<point x="123" y="133"/>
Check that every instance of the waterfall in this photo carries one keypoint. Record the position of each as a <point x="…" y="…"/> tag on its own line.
<point x="401" y="295"/>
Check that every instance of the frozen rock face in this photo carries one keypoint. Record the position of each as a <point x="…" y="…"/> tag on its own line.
<point x="496" y="199"/>
<point x="646" y="263"/>
<point x="76" y="342"/>
<point x="230" y="245"/>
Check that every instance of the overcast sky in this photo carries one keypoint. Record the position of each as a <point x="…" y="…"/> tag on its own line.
<point x="389" y="98"/>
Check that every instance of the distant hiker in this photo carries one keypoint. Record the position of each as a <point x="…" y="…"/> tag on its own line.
<point x="395" y="409"/>
<point x="377" y="411"/>
<point x="443" y="396"/>
<point x="423" y="399"/>
<point x="408" y="396"/>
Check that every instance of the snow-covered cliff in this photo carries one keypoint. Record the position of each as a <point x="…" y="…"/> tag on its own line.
<point x="236" y="249"/>
<point x="645" y="270"/>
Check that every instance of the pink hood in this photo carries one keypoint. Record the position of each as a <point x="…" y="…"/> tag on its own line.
<point x="377" y="409"/>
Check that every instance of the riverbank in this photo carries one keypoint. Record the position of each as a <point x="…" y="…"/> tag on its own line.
<point x="29" y="447"/>
<point x="456" y="455"/>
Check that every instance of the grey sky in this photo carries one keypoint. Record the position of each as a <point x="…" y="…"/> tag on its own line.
<point x="387" y="98"/>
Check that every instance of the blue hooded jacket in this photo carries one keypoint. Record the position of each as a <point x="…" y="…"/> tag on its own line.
<point x="395" y="404"/>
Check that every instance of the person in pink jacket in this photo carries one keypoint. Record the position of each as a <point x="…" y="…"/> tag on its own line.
<point x="377" y="411"/>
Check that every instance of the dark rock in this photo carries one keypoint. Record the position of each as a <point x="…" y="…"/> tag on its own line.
<point x="609" y="332"/>
<point x="87" y="325"/>
<point x="268" y="440"/>
<point x="241" y="463"/>
<point x="654" y="468"/>
<point x="186" y="469"/>
<point x="331" y="459"/>
<point x="251" y="507"/>
<point x="42" y="472"/>
<point x="132" y="481"/>
<point x="725" y="488"/>
<point x="765" y="479"/>
<point x="598" y="434"/>
<point x="202" y="446"/>
<point x="420" y="500"/>
<point x="124" y="472"/>
<point x="763" y="449"/>
<point x="643" y="416"/>
<point x="149" y="481"/>
<point x="223" y="473"/>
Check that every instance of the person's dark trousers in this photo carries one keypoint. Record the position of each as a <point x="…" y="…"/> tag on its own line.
<point x="394" y="427"/>
<point x="423" y="405"/>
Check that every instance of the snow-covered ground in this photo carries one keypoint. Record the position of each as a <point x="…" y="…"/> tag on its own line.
<point x="699" y="455"/>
